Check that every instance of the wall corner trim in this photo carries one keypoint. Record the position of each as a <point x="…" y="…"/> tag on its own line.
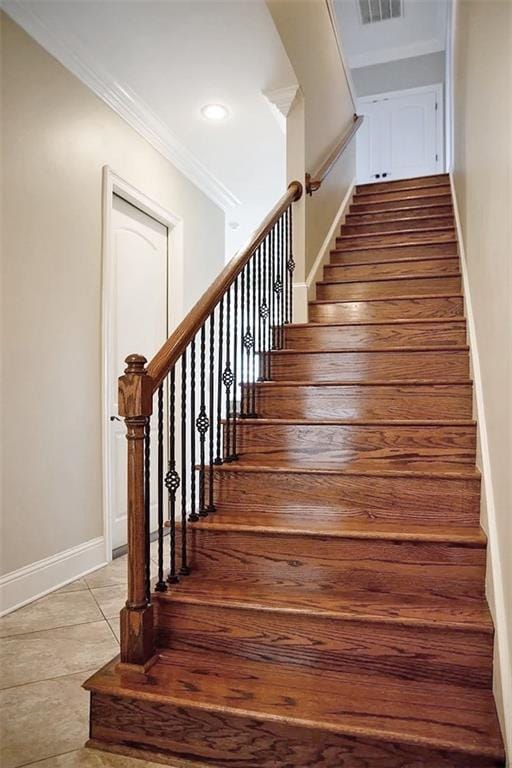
<point x="326" y="247"/>
<point x="495" y="573"/>
<point x="71" y="53"/>
<point x="23" y="586"/>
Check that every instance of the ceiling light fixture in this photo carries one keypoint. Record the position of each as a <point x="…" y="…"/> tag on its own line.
<point x="214" y="112"/>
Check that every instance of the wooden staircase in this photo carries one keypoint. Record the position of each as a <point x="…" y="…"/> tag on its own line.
<point x="335" y="613"/>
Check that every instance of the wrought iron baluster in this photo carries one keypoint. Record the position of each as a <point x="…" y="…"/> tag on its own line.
<point x="218" y="459"/>
<point x="243" y="351"/>
<point x="234" y="455"/>
<point x="147" y="506"/>
<point x="184" y="570"/>
<point x="252" y="264"/>
<point x="202" y="424"/>
<point x="172" y="479"/>
<point x="290" y="264"/>
<point x="193" y="516"/>
<point x="161" y="586"/>
<point x="282" y="272"/>
<point x="211" y="394"/>
<point x="264" y="310"/>
<point x="227" y="379"/>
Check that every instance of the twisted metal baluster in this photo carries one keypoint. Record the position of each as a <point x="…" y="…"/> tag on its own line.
<point x="202" y="424"/>
<point x="161" y="586"/>
<point x="172" y="479"/>
<point x="218" y="459"/>
<point x="211" y="505"/>
<point x="193" y="516"/>
<point x="184" y="570"/>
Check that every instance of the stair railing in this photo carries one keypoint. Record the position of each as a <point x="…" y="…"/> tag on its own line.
<point x="314" y="180"/>
<point x="202" y="381"/>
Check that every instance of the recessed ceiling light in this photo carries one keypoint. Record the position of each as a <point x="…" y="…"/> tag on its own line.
<point x="215" y="112"/>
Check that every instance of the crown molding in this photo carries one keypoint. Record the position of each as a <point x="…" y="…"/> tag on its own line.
<point x="69" y="50"/>
<point x="282" y="98"/>
<point x="384" y="55"/>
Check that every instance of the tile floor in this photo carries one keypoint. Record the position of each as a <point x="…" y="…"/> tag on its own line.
<point x="47" y="650"/>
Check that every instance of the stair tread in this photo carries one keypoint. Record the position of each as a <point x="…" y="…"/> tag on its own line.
<point x="423" y="207"/>
<point x="431" y="714"/>
<point x="385" y="468"/>
<point x="387" y="278"/>
<point x="364" y="383"/>
<point x="364" y="350"/>
<point x="407" y="260"/>
<point x="379" y="246"/>
<point x="401" y="231"/>
<point x="402" y="296"/>
<point x="399" y="322"/>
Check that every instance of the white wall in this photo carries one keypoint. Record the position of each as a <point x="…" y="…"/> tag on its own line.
<point x="399" y="75"/>
<point x="57" y="136"/>
<point x="482" y="172"/>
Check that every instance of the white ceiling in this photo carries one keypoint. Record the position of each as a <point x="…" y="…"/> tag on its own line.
<point x="421" y="30"/>
<point x="158" y="63"/>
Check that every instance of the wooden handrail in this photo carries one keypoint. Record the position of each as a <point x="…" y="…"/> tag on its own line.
<point x="170" y="352"/>
<point x="314" y="180"/>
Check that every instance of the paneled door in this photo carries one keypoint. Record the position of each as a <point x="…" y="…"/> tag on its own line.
<point x="402" y="135"/>
<point x="138" y="322"/>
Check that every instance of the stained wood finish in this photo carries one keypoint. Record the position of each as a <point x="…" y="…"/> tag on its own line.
<point x="396" y="308"/>
<point x="414" y="267"/>
<point x="449" y="363"/>
<point x="385" y="334"/>
<point x="403" y="400"/>
<point x="335" y="614"/>
<point x="381" y="287"/>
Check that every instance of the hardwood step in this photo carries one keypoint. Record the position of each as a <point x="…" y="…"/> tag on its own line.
<point x="414" y="267"/>
<point x="381" y="287"/>
<point x="358" y="205"/>
<point x="387" y="334"/>
<point x="335" y="443"/>
<point x="448" y="363"/>
<point x="445" y="496"/>
<point x="413" y="237"/>
<point x="437" y="180"/>
<point x="401" y="225"/>
<point x="408" y="214"/>
<point x="393" y="253"/>
<point x="377" y="194"/>
<point x="391" y="308"/>
<point x="204" y="707"/>
<point x="368" y="400"/>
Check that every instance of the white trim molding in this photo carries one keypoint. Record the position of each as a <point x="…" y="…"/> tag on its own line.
<point x="503" y="687"/>
<point x="38" y="579"/>
<point x="282" y="98"/>
<point x="328" y="244"/>
<point x="383" y="55"/>
<point x="69" y="50"/>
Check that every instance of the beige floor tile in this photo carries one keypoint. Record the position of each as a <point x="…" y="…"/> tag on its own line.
<point x="110" y="599"/>
<point x="75" y="586"/>
<point x="114" y="625"/>
<point x="55" y="652"/>
<point x="55" y="610"/>
<point x="110" y="576"/>
<point x="92" y="758"/>
<point x="43" y="719"/>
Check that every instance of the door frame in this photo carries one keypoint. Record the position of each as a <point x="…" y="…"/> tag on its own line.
<point x="113" y="184"/>
<point x="440" y="124"/>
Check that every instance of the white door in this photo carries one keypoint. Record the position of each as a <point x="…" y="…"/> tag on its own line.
<point x="137" y="316"/>
<point x="403" y="136"/>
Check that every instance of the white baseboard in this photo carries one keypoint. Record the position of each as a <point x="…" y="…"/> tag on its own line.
<point x="315" y="273"/>
<point x="495" y="572"/>
<point x="38" y="579"/>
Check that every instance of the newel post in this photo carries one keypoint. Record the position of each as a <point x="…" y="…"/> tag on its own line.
<point x="135" y="404"/>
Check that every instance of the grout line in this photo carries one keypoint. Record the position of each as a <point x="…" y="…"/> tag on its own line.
<point x="49" y="679"/>
<point x="49" y="757"/>
<point x="49" y="629"/>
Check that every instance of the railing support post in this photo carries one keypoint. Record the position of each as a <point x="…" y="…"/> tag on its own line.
<point x="135" y="404"/>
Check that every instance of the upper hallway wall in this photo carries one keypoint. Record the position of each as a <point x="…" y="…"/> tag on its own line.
<point x="57" y="136"/>
<point x="413" y="72"/>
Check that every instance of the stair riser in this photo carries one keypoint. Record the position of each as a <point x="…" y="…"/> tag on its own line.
<point x="421" y="500"/>
<point x="219" y="739"/>
<point x="417" y="268"/>
<point x="360" y="402"/>
<point x="376" y="195"/>
<point x="370" y="366"/>
<point x="399" y="252"/>
<point x="361" y="336"/>
<point x="358" y="206"/>
<point x="446" y="571"/>
<point x="317" y="445"/>
<point x="416" y="237"/>
<point x="419" y="286"/>
<point x="418" y="183"/>
<point x="362" y="228"/>
<point x="432" y="211"/>
<point x="332" y="646"/>
<point x="390" y="309"/>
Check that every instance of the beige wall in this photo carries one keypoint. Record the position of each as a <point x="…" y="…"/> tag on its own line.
<point x="483" y="183"/>
<point x="57" y="137"/>
<point x="307" y="35"/>
<point x="413" y="72"/>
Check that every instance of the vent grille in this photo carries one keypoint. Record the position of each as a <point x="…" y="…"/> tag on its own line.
<point x="379" y="10"/>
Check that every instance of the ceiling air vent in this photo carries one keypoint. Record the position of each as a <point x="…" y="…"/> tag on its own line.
<point x="379" y="10"/>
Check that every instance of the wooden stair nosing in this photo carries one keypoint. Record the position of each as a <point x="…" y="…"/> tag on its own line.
<point x="416" y="180"/>
<point x="389" y="298"/>
<point x="392" y="219"/>
<point x="423" y="207"/>
<point x="396" y="322"/>
<point x="265" y="421"/>
<point x="407" y="260"/>
<point x="381" y="246"/>
<point x="385" y="233"/>
<point x="377" y="196"/>
<point x="461" y="473"/>
<point x="436" y="348"/>
<point x="388" y="278"/>
<point x="363" y="383"/>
